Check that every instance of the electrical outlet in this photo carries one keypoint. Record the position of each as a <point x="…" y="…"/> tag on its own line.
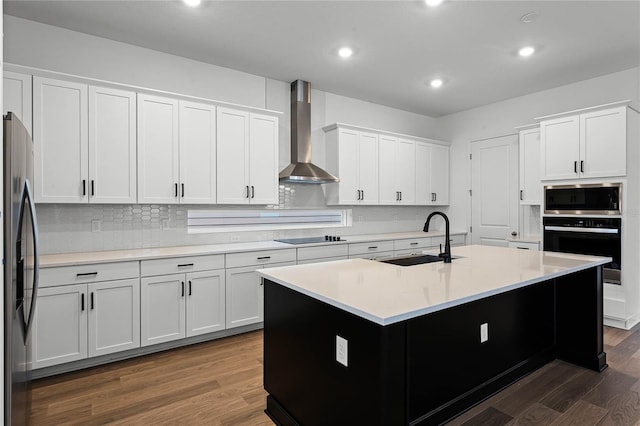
<point x="165" y="223"/>
<point x="484" y="332"/>
<point x="96" y="226"/>
<point x="234" y="238"/>
<point x="360" y="218"/>
<point x="342" y="351"/>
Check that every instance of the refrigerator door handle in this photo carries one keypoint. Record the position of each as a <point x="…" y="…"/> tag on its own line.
<point x="36" y="262"/>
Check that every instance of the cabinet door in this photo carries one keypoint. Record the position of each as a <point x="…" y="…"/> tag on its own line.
<point x="60" y="141"/>
<point x="530" y="185"/>
<point x="197" y="153"/>
<point x="59" y="331"/>
<point x="16" y="97"/>
<point x="423" y="174"/>
<point x="114" y="316"/>
<point x="368" y="167"/>
<point x="162" y="305"/>
<point x="560" y="148"/>
<point x="603" y="143"/>
<point x="244" y="297"/>
<point x="205" y="302"/>
<point x="157" y="150"/>
<point x="112" y="146"/>
<point x="263" y="159"/>
<point x="440" y="174"/>
<point x="389" y="190"/>
<point x="348" y="189"/>
<point x="406" y="171"/>
<point x="232" y="139"/>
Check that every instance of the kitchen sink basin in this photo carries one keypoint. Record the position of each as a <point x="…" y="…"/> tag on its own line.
<point x="413" y="260"/>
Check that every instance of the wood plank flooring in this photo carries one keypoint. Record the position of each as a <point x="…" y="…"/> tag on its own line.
<point x="220" y="383"/>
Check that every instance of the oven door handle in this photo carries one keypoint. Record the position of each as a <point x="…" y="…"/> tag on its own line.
<point x="579" y="229"/>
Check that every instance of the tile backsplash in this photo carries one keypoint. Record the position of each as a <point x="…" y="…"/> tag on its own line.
<point x="66" y="228"/>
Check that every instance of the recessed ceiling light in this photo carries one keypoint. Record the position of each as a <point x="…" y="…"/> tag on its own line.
<point x="436" y="82"/>
<point x="345" y="52"/>
<point x="526" y="51"/>
<point x="433" y="3"/>
<point x="192" y="3"/>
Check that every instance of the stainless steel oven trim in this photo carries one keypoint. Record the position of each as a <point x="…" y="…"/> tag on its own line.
<point x="583" y="212"/>
<point x="579" y="229"/>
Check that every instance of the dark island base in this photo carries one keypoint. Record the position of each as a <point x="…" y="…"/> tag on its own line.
<point x="426" y="370"/>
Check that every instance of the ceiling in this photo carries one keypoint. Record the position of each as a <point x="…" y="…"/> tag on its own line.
<point x="399" y="45"/>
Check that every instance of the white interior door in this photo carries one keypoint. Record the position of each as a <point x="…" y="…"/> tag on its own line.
<point x="494" y="185"/>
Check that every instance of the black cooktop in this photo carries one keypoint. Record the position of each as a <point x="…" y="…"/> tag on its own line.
<point x="311" y="240"/>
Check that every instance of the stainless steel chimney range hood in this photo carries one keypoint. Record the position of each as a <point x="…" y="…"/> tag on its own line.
<point x="301" y="169"/>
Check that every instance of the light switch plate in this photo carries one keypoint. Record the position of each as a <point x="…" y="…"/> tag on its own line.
<point x="484" y="332"/>
<point x="342" y="351"/>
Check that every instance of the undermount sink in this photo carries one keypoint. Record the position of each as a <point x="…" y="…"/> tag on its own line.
<point x="413" y="260"/>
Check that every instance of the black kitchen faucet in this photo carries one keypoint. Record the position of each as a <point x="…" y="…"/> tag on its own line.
<point x="446" y="255"/>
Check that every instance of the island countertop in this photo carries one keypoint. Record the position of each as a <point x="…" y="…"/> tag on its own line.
<point x="386" y="294"/>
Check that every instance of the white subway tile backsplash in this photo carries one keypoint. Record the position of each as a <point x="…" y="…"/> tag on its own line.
<point x="66" y="228"/>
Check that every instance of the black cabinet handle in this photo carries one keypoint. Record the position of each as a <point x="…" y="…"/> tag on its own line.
<point x="82" y="302"/>
<point x="247" y="193"/>
<point x="86" y="274"/>
<point x="575" y="167"/>
<point x="372" y="247"/>
<point x="91" y="300"/>
<point x="182" y="186"/>
<point x="184" y="265"/>
<point x="253" y="191"/>
<point x="521" y="191"/>
<point x="189" y="287"/>
<point x="264" y="258"/>
<point x="581" y="166"/>
<point x="523" y="248"/>
<point x="175" y="185"/>
<point x="93" y="187"/>
<point x="413" y="244"/>
<point x="400" y="195"/>
<point x="358" y="195"/>
<point x="182" y="288"/>
<point x="84" y="187"/>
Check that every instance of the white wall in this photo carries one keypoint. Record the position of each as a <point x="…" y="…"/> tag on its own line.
<point x="1" y="226"/>
<point x="501" y="118"/>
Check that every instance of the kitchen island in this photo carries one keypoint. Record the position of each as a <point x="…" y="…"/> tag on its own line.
<point x="365" y="342"/>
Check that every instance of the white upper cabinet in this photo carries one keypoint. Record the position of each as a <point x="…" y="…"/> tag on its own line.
<point x="397" y="174"/>
<point x="17" y="97"/>
<point x="176" y="151"/>
<point x="157" y="150"/>
<point x="197" y="153"/>
<point x="588" y="145"/>
<point x="352" y="155"/>
<point x="247" y="157"/>
<point x="529" y="150"/>
<point x="85" y="143"/>
<point x="60" y="138"/>
<point x="432" y="174"/>
<point x="112" y="146"/>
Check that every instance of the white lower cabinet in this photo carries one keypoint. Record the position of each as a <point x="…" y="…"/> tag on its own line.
<point x="73" y="322"/>
<point x="244" y="286"/>
<point x="176" y="306"/>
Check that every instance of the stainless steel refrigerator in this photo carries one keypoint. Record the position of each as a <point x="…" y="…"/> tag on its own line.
<point x="20" y="269"/>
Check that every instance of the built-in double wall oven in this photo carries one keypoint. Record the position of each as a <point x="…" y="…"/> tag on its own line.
<point x="585" y="219"/>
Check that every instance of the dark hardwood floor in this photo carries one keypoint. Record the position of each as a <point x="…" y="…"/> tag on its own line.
<point x="220" y="383"/>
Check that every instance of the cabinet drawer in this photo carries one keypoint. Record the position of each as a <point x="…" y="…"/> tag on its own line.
<point x="320" y="252"/>
<point x="412" y="244"/>
<point x="370" y="247"/>
<point x="454" y="240"/>
<point x="264" y="257"/>
<point x="64" y="275"/>
<point x="524" y="246"/>
<point x="176" y="265"/>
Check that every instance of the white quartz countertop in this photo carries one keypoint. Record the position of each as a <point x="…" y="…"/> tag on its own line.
<point x="386" y="293"/>
<point x="70" y="259"/>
